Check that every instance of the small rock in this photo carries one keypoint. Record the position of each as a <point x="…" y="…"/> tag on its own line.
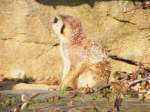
<point x="17" y="74"/>
<point x="1" y="77"/>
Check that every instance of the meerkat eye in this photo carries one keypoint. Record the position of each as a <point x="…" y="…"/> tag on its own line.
<point x="55" y="20"/>
<point x="62" y="29"/>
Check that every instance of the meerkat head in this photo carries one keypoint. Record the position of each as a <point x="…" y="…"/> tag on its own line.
<point x="66" y="27"/>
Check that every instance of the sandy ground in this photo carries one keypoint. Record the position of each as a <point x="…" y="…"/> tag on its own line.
<point x="44" y="98"/>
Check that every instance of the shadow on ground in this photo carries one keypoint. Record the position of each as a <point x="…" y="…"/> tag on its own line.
<point x="8" y="84"/>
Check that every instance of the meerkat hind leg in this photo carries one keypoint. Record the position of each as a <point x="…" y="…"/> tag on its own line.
<point x="70" y="80"/>
<point x="86" y="80"/>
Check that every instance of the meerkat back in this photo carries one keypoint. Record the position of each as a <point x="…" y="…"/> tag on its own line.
<point x="85" y="63"/>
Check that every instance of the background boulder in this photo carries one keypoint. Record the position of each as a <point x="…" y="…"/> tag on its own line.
<point x="28" y="44"/>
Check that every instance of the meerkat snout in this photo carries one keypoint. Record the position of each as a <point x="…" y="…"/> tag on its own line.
<point x="57" y="25"/>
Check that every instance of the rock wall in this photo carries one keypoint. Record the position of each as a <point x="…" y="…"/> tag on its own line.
<point x="28" y="45"/>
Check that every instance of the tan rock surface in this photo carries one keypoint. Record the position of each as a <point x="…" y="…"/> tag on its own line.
<point x="27" y="42"/>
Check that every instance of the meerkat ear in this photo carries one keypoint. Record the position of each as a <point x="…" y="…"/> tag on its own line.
<point x="62" y="29"/>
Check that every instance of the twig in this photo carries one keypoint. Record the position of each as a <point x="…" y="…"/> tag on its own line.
<point x="130" y="84"/>
<point x="138" y="81"/>
<point x="102" y="88"/>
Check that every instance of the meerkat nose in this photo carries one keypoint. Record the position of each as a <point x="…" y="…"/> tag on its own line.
<point x="55" y="20"/>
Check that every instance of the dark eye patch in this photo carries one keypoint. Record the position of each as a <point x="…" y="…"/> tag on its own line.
<point x="62" y="29"/>
<point x="55" y="20"/>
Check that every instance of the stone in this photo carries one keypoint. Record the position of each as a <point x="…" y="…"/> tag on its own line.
<point x="17" y="74"/>
<point x="28" y="43"/>
<point x="24" y="86"/>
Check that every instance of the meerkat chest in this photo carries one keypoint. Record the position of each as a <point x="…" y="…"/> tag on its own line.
<point x="64" y="52"/>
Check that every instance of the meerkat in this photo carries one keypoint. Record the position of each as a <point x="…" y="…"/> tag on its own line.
<point x="85" y="62"/>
